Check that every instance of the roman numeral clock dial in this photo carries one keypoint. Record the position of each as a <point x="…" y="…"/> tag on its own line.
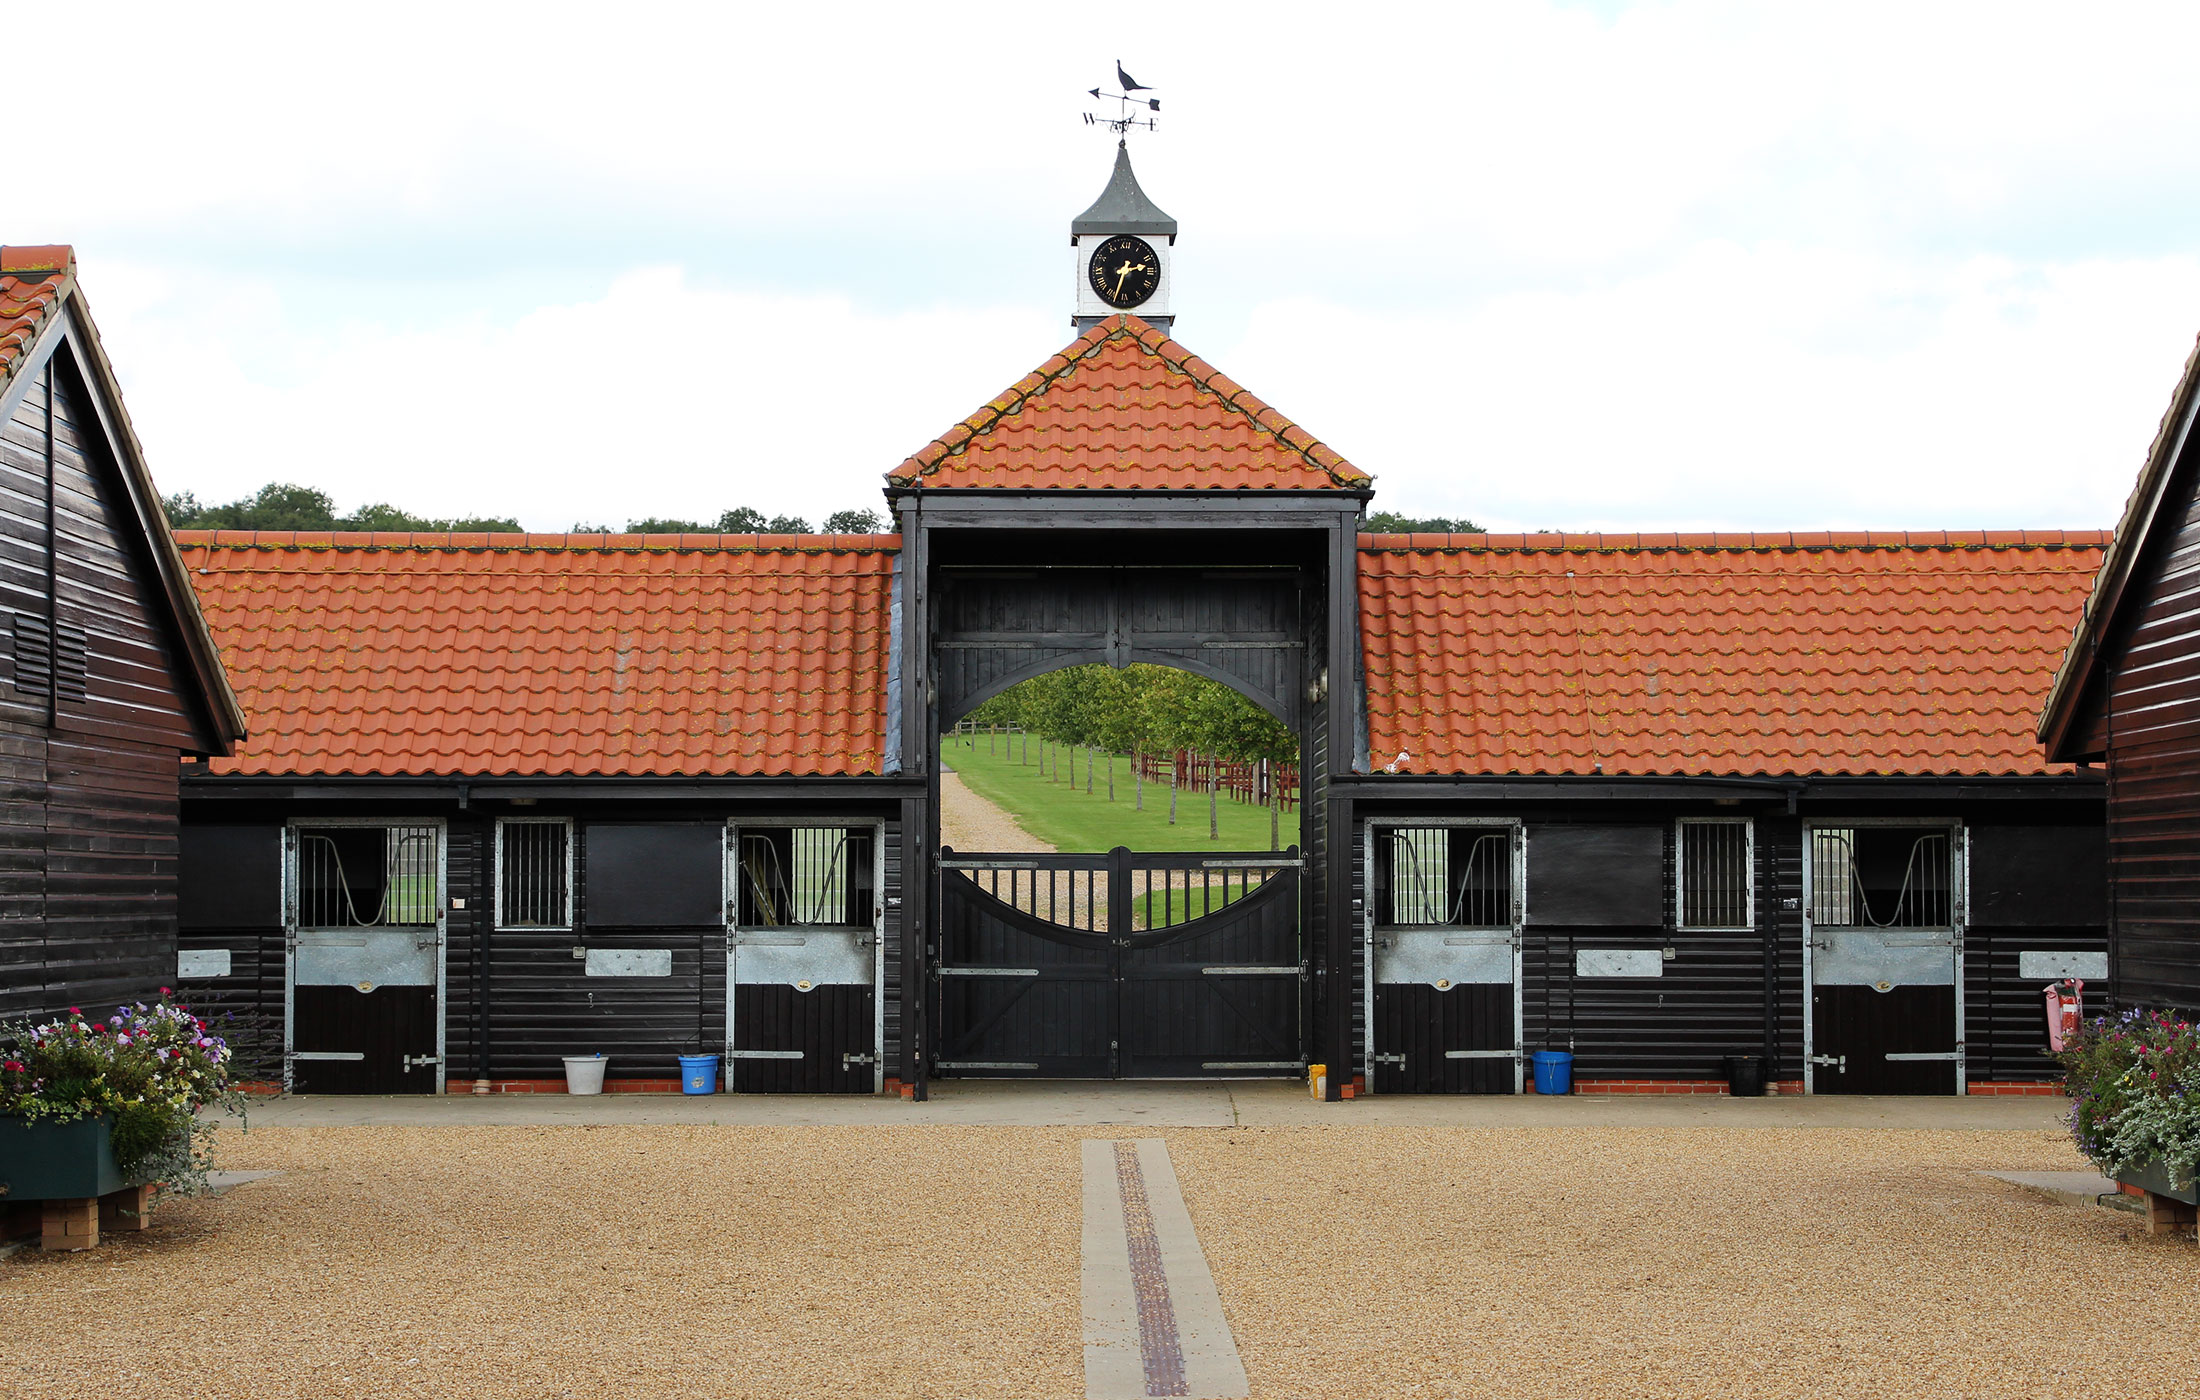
<point x="1125" y="271"/>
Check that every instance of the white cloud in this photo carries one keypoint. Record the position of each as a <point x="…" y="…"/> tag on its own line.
<point x="660" y="398"/>
<point x="1702" y="262"/>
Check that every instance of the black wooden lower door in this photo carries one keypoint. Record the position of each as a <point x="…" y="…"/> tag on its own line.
<point x="1206" y="995"/>
<point x="348" y="1041"/>
<point x="1452" y="1040"/>
<point x="1868" y="1041"/>
<point x="1445" y="1017"/>
<point x="790" y="1041"/>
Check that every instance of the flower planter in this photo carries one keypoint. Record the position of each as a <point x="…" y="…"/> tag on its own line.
<point x="2154" y="1176"/>
<point x="44" y="1161"/>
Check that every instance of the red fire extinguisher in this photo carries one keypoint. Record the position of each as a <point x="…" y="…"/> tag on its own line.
<point x="2065" y="1012"/>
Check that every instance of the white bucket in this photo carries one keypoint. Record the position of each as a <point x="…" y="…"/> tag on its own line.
<point x="584" y="1074"/>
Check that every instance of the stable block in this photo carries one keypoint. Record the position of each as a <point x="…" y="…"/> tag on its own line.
<point x="67" y="1224"/>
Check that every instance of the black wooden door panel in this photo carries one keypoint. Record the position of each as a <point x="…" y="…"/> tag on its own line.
<point x="1417" y="1027"/>
<point x="1218" y="995"/>
<point x="829" y="1029"/>
<point x="1859" y="1027"/>
<point x="382" y="1028"/>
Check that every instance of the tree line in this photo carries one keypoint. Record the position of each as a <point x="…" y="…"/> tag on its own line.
<point x="282" y="505"/>
<point x="1141" y="709"/>
<point x="287" y="506"/>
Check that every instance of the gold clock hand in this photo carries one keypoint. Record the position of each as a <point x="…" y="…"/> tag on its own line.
<point x="1120" y="273"/>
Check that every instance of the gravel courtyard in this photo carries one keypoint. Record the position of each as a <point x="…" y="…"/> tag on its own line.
<point x="688" y="1260"/>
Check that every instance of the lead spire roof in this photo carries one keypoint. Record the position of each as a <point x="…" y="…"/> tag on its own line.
<point x="1123" y="207"/>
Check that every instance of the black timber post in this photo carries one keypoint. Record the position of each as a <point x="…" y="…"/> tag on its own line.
<point x="1340" y="674"/>
<point x="919" y="754"/>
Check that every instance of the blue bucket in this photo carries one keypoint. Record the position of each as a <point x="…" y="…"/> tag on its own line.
<point x="699" y="1074"/>
<point x="1554" y="1071"/>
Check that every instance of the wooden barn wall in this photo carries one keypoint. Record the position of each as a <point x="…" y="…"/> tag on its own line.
<point x="88" y="748"/>
<point x="1742" y="992"/>
<point x="2153" y="745"/>
<point x="516" y="1000"/>
<point x="1708" y="1003"/>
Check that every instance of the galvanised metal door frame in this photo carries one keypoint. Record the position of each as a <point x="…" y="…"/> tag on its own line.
<point x="1959" y="878"/>
<point x="729" y="900"/>
<point x="1518" y="847"/>
<point x="441" y="828"/>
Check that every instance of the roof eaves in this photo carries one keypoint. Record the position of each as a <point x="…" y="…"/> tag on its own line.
<point x="2073" y="677"/>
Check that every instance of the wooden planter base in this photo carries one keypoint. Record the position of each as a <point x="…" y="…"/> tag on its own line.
<point x="77" y="1224"/>
<point x="2166" y="1215"/>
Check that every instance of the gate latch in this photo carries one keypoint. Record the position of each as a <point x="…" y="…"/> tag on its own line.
<point x="1838" y="1063"/>
<point x="851" y="1060"/>
<point x="1398" y="1060"/>
<point x="421" y="1061"/>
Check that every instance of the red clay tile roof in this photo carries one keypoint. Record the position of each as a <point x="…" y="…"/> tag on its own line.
<point x="702" y="655"/>
<point x="1124" y="407"/>
<point x="32" y="283"/>
<point x="1879" y="653"/>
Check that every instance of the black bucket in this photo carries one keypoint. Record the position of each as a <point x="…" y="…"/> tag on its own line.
<point x="1745" y="1076"/>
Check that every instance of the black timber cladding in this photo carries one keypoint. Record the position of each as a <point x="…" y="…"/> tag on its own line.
<point x="2035" y="887"/>
<point x="518" y="1000"/>
<point x="95" y="710"/>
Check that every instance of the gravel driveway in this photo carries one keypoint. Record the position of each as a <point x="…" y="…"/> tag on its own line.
<point x="672" y="1261"/>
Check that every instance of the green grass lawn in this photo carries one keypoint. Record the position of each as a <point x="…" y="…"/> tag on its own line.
<point x="1068" y="820"/>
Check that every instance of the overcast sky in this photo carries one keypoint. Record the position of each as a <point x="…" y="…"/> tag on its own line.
<point x="1595" y="266"/>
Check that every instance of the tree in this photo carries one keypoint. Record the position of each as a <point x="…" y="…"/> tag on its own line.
<point x="662" y="525"/>
<point x="1390" y="522"/>
<point x="853" y="522"/>
<point x="287" y="506"/>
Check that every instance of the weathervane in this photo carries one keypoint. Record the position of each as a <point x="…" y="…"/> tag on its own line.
<point x="1126" y="104"/>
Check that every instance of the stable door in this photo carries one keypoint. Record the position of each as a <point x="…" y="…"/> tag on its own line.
<point x="1884" y="946"/>
<point x="366" y="958"/>
<point x="804" y="923"/>
<point x="1443" y="934"/>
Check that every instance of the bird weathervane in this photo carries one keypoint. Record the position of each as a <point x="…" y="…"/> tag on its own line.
<point x="1126" y="105"/>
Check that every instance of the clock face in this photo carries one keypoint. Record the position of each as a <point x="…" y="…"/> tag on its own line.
<point x="1125" y="271"/>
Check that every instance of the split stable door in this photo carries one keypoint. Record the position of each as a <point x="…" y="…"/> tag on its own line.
<point x="1883" y="945"/>
<point x="365" y="930"/>
<point x="804" y="955"/>
<point x="1444" y="957"/>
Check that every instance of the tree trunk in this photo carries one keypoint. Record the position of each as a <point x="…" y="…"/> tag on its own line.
<point x="1214" y="809"/>
<point x="1138" y="782"/>
<point x="1088" y="772"/>
<point x="1172" y="790"/>
<point x="1111" y="776"/>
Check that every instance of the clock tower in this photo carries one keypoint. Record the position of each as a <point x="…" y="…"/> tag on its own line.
<point x="1123" y="245"/>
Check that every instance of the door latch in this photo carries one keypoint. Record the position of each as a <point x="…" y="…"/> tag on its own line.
<point x="1837" y="1063"/>
<point x="1398" y="1060"/>
<point x="851" y="1060"/>
<point x="423" y="944"/>
<point x="421" y="1062"/>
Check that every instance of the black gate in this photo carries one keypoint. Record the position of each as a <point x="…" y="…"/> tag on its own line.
<point x="1119" y="966"/>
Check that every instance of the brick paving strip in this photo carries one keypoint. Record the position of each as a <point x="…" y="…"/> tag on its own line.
<point x="1153" y="1321"/>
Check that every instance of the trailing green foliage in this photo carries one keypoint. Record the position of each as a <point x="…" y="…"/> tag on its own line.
<point x="1141" y="709"/>
<point x="146" y="1069"/>
<point x="2134" y="1082"/>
